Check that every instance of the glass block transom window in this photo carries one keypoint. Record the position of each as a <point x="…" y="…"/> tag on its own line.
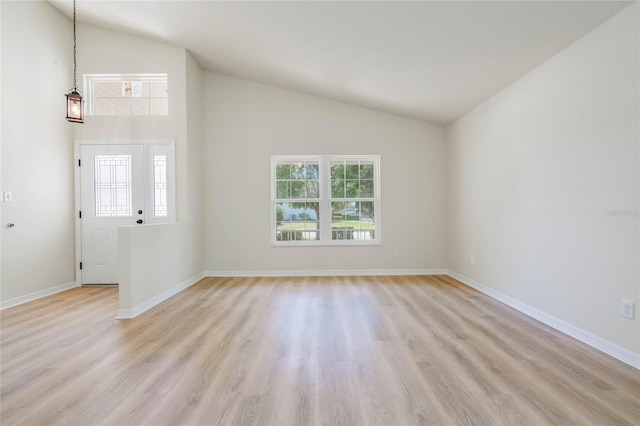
<point x="325" y="200"/>
<point x="113" y="185"/>
<point x="160" y="185"/>
<point x="127" y="95"/>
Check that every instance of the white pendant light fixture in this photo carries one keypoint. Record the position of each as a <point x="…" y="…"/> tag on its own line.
<point x="75" y="103"/>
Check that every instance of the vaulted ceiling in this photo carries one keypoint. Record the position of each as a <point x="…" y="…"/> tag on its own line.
<point x="429" y="60"/>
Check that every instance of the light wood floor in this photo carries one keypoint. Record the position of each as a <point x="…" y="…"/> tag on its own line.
<point x="287" y="351"/>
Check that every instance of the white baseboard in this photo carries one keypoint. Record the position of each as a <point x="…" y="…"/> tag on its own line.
<point x="618" y="352"/>
<point x="37" y="295"/>
<point x="325" y="273"/>
<point x="145" y="306"/>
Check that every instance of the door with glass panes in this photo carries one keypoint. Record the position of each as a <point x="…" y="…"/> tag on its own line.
<point x="112" y="194"/>
<point x="120" y="185"/>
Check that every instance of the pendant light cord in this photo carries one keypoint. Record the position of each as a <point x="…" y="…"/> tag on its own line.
<point x="75" y="86"/>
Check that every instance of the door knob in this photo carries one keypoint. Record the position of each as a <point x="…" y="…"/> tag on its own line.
<point x="139" y="221"/>
<point x="139" y="211"/>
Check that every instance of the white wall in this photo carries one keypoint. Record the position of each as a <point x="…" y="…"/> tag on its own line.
<point x="154" y="260"/>
<point x="1" y="222"/>
<point x="102" y="51"/>
<point x="37" y="151"/>
<point x="531" y="173"/>
<point x="195" y="174"/>
<point x="160" y="260"/>
<point x="247" y="122"/>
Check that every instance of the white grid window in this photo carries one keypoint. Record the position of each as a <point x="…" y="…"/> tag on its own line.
<point x="325" y="200"/>
<point x="352" y="200"/>
<point x="297" y="194"/>
<point x="127" y="95"/>
<point x="112" y="185"/>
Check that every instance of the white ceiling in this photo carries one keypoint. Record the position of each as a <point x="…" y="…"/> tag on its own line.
<point x="430" y="60"/>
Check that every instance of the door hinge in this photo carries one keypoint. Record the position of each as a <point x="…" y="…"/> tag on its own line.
<point x="80" y="265"/>
<point x="79" y="214"/>
<point x="79" y="163"/>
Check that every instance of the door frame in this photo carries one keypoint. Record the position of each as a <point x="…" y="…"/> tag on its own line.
<point x="147" y="144"/>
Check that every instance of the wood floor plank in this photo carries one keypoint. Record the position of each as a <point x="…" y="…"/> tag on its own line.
<point x="388" y="350"/>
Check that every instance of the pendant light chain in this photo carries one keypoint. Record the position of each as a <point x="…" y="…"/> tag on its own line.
<point x="75" y="103"/>
<point x="75" y="86"/>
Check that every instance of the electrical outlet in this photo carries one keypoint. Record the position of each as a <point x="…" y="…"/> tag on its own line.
<point x="396" y="253"/>
<point x="627" y="308"/>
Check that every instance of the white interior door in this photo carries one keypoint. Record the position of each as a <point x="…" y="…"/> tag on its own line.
<point x="111" y="195"/>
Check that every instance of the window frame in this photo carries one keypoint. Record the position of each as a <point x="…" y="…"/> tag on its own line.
<point x="89" y="79"/>
<point x="325" y="214"/>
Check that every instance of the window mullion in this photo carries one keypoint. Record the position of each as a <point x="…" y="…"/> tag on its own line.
<point x="325" y="201"/>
